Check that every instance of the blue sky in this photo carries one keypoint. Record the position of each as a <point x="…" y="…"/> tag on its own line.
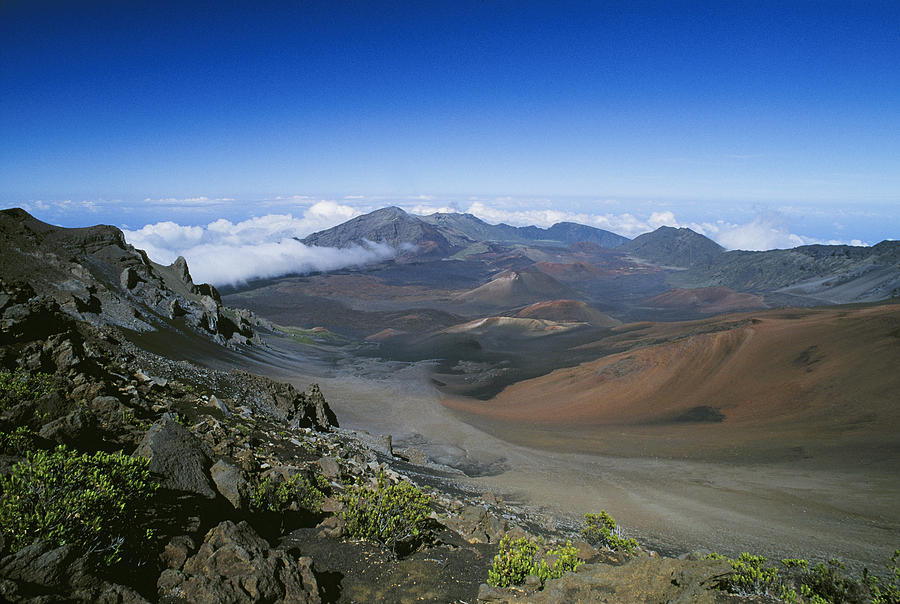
<point x="780" y="114"/>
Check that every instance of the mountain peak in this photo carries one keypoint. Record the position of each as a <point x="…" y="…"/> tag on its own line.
<point x="674" y="247"/>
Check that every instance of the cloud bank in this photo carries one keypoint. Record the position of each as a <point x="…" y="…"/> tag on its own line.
<point x="227" y="253"/>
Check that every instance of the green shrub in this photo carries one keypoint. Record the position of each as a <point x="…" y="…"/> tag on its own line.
<point x="885" y="591"/>
<point x="802" y="582"/>
<point x="565" y="559"/>
<point x="20" y="386"/>
<point x="90" y="501"/>
<point x="601" y="529"/>
<point x="269" y="496"/>
<point x="751" y="576"/>
<point x="390" y="513"/>
<point x="515" y="560"/>
<point x="18" y="442"/>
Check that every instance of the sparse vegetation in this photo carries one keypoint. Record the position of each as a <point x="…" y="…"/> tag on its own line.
<point x="601" y="529"/>
<point x="517" y="559"/>
<point x="278" y="496"/>
<point x="392" y="514"/>
<point x="89" y="501"/>
<point x="17" y="442"/>
<point x="21" y="386"/>
<point x="801" y="582"/>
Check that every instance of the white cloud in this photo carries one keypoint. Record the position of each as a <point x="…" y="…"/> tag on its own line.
<point x="232" y="264"/>
<point x="224" y="252"/>
<point x="762" y="233"/>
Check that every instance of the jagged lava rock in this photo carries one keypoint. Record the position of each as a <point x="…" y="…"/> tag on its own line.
<point x="177" y="456"/>
<point x="235" y="564"/>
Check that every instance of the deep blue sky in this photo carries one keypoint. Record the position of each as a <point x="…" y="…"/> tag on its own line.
<point x="750" y="104"/>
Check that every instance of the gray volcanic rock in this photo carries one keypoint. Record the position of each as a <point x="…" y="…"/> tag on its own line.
<point x="230" y="482"/>
<point x="95" y="276"/>
<point x="177" y="456"/>
<point x="831" y="274"/>
<point x="235" y="564"/>
<point x="669" y="246"/>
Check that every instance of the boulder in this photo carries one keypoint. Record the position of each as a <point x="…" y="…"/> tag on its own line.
<point x="476" y="525"/>
<point x="177" y="551"/>
<point x="77" y="429"/>
<point x="40" y="563"/>
<point x="330" y="467"/>
<point x="642" y="579"/>
<point x="235" y="564"/>
<point x="230" y="482"/>
<point x="177" y="457"/>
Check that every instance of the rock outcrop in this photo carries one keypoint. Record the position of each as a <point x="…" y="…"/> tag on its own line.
<point x="95" y="276"/>
<point x="235" y="564"/>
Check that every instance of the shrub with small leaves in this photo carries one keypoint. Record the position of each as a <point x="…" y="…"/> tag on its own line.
<point x="271" y="496"/>
<point x="18" y="442"/>
<point x="601" y="529"/>
<point x="21" y="386"/>
<point x="564" y="558"/>
<point x="515" y="560"/>
<point x="887" y="590"/>
<point x="751" y="576"/>
<point x="90" y="501"/>
<point x="392" y="514"/>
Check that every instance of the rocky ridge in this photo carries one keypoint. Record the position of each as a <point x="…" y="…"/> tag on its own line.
<point x="96" y="277"/>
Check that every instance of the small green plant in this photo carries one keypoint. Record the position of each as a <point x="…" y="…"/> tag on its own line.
<point x="89" y="501"/>
<point x="564" y="558"/>
<point x="392" y="514"/>
<point x="18" y="442"/>
<point x="601" y="529"/>
<point x="20" y="386"/>
<point x="751" y="576"/>
<point x="885" y="591"/>
<point x="515" y="560"/>
<point x="803" y="582"/>
<point x="271" y="496"/>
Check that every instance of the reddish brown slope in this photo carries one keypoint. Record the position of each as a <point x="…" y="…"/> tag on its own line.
<point x="788" y="379"/>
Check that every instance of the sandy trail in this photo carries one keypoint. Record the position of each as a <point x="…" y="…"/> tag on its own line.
<point x="776" y="509"/>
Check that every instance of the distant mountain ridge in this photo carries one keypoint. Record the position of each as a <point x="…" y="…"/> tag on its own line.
<point x="442" y="234"/>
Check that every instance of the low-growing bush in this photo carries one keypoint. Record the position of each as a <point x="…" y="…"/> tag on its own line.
<point x="21" y="386"/>
<point x="887" y="590"/>
<point x="268" y="495"/>
<point x="89" y="501"/>
<point x="515" y="560"/>
<point x="601" y="529"/>
<point x="392" y="514"/>
<point x="18" y="442"/>
<point x="752" y="576"/>
<point x="802" y="582"/>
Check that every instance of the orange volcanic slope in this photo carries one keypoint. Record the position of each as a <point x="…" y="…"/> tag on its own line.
<point x="567" y="310"/>
<point x="834" y="370"/>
